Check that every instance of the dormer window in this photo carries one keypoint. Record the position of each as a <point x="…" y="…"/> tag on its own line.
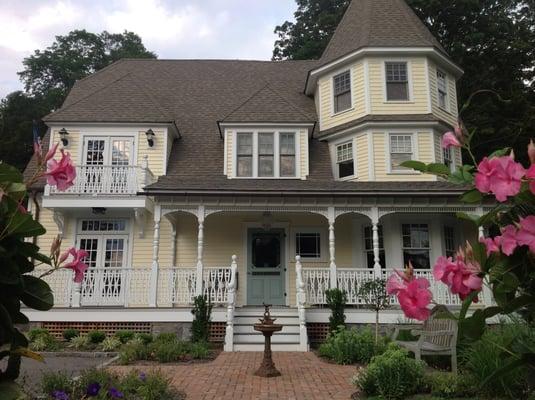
<point x="342" y="91"/>
<point x="266" y="154"/>
<point x="442" y="87"/>
<point x="344" y="160"/>
<point x="397" y="81"/>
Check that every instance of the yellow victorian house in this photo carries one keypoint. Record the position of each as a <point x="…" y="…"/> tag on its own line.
<point x="255" y="182"/>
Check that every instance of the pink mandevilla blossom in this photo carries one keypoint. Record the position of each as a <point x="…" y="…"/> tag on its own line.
<point x="413" y="293"/>
<point x="501" y="176"/>
<point x="530" y="174"/>
<point x="509" y="240"/>
<point x="459" y="131"/>
<point x="76" y="264"/>
<point x="526" y="233"/>
<point x="460" y="275"/>
<point x="492" y="244"/>
<point x="450" y="140"/>
<point x="61" y="173"/>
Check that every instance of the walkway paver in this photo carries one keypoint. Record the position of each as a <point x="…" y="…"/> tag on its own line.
<point x="230" y="376"/>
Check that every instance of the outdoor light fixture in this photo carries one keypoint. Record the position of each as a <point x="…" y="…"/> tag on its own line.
<point x="63" y="136"/>
<point x="99" y="210"/>
<point x="267" y="220"/>
<point x="150" y="137"/>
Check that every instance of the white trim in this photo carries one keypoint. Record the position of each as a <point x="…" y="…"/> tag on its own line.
<point x="273" y="125"/>
<point x="351" y="94"/>
<point x="165" y="150"/>
<point x="428" y="85"/>
<point x="90" y="202"/>
<point x="225" y="150"/>
<point x="446" y="82"/>
<point x="410" y="91"/>
<point x="414" y="148"/>
<point x="367" y="96"/>
<point x="371" y="158"/>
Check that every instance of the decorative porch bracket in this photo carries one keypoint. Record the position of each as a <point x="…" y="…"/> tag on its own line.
<point x="231" y="305"/>
<point x="153" y="287"/>
<point x="301" y="302"/>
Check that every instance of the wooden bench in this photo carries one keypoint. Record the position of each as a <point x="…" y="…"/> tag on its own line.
<point x="436" y="337"/>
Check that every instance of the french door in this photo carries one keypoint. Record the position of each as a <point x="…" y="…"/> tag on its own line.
<point x="106" y="162"/>
<point x="105" y="279"/>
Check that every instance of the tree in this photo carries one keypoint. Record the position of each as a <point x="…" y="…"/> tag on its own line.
<point x="375" y="298"/>
<point x="492" y="40"/>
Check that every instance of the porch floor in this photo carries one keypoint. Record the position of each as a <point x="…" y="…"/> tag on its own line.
<point x="230" y="376"/>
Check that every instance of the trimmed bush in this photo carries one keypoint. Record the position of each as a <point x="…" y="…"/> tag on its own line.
<point x="80" y="343"/>
<point x="392" y="375"/>
<point x="43" y="341"/>
<point x="349" y="346"/>
<point x="336" y="301"/>
<point x="144" y="337"/>
<point x="35" y="333"/>
<point x="199" y="350"/>
<point x="124" y="336"/>
<point x="132" y="351"/>
<point x="70" y="333"/>
<point x="96" y="337"/>
<point x="110" y="344"/>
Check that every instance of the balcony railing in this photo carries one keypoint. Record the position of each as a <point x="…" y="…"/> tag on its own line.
<point x="108" y="180"/>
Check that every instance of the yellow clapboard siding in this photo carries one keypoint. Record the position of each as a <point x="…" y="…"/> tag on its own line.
<point x="155" y="155"/>
<point x="361" y="143"/>
<point x="74" y="147"/>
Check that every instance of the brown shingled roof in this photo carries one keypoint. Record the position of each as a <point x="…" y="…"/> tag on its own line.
<point x="378" y="23"/>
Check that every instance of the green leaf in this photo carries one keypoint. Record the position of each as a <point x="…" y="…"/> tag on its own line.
<point x="472" y="196"/>
<point x="463" y="175"/>
<point x="442" y="312"/>
<point x="416" y="165"/>
<point x="473" y="326"/>
<point x="469" y="217"/>
<point x="510" y="282"/>
<point x="10" y="174"/>
<point x="23" y="225"/>
<point x="480" y="252"/>
<point x="12" y="391"/>
<point x="500" y="152"/>
<point x="37" y="294"/>
<point x="466" y="304"/>
<point x="438" y="169"/>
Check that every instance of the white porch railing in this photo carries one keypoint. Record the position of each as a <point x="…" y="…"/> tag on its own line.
<point x="350" y="281"/>
<point x="107" y="179"/>
<point x="216" y="281"/>
<point x="61" y="284"/>
<point x="176" y="285"/>
<point x="317" y="281"/>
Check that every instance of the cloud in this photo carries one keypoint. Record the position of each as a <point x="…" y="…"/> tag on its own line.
<point x="171" y="28"/>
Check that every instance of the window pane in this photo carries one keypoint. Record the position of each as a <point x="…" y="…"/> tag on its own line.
<point x="245" y="143"/>
<point x="396" y="72"/>
<point x="346" y="169"/>
<point x="342" y="102"/>
<point x="308" y="245"/>
<point x="418" y="258"/>
<point x="245" y="166"/>
<point x="370" y="259"/>
<point x="287" y="143"/>
<point x="287" y="154"/>
<point x="266" y="251"/>
<point x="287" y="166"/>
<point x="400" y="151"/>
<point x="397" y="159"/>
<point x="368" y="237"/>
<point x="342" y="83"/>
<point x="449" y="241"/>
<point x="265" y="143"/>
<point x="265" y="165"/>
<point x="344" y="152"/>
<point x="397" y="91"/>
<point x="415" y="236"/>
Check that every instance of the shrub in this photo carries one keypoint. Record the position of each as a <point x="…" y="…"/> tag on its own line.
<point x="52" y="381"/>
<point x="80" y="342"/>
<point x="132" y="351"/>
<point x="33" y="334"/>
<point x="200" y="327"/>
<point x="336" y="301"/>
<point x="124" y="336"/>
<point x="45" y="342"/>
<point x="349" y="346"/>
<point x="70" y="333"/>
<point x="166" y="337"/>
<point x="144" y="337"/>
<point x="487" y="355"/>
<point x="392" y="375"/>
<point x="110" y="344"/>
<point x="448" y="385"/>
<point x="169" y="351"/>
<point x="96" y="337"/>
<point x="199" y="350"/>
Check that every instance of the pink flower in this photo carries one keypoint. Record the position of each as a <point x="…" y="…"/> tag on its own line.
<point x="450" y="140"/>
<point x="509" y="240"/>
<point x="76" y="264"/>
<point x="461" y="275"/>
<point x="492" y="245"/>
<point x="413" y="294"/>
<point x="531" y="152"/>
<point x="62" y="173"/>
<point x="526" y="233"/>
<point x="499" y="175"/>
<point x="530" y="174"/>
<point x="50" y="153"/>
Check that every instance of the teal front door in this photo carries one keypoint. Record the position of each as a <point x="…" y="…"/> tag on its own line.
<point x="265" y="267"/>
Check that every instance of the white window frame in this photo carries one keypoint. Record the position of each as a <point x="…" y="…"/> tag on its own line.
<point x="451" y="158"/>
<point x="414" y="148"/>
<point x="323" y="242"/>
<point x="276" y="161"/>
<point x="409" y="81"/>
<point x="336" y="162"/>
<point x="351" y="107"/>
<point x="446" y="90"/>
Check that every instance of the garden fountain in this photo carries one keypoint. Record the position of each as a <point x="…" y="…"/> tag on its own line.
<point x="267" y="327"/>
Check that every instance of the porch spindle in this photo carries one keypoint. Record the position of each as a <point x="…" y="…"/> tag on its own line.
<point x="155" y="255"/>
<point x="375" y="243"/>
<point x="200" y="247"/>
<point x="332" y="264"/>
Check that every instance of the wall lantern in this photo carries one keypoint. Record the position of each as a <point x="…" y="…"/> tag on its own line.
<point x="150" y="137"/>
<point x="267" y="221"/>
<point x="63" y="136"/>
<point x="99" y="210"/>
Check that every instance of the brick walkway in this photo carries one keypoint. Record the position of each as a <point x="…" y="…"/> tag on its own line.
<point x="230" y="376"/>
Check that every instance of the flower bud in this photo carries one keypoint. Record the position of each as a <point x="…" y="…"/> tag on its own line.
<point x="531" y="151"/>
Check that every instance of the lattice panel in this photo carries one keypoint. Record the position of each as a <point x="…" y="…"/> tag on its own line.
<point x="317" y="332"/>
<point x="217" y="331"/>
<point x="57" y="328"/>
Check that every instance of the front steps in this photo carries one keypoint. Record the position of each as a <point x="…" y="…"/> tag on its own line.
<point x="247" y="339"/>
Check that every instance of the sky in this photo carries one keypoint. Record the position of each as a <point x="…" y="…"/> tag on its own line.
<point x="171" y="28"/>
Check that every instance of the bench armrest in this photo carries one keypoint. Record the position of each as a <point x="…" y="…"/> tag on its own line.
<point x="433" y="333"/>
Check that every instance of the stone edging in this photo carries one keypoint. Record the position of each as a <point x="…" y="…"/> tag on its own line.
<point x="80" y="354"/>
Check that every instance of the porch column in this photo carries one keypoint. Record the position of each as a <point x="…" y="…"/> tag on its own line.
<point x="200" y="248"/>
<point x="173" y="243"/>
<point x="331" y="217"/>
<point x="153" y="287"/>
<point x="480" y="229"/>
<point x="486" y="291"/>
<point x="375" y="243"/>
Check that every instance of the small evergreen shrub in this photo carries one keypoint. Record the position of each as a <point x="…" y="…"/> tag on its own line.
<point x="110" y="344"/>
<point x="392" y="375"/>
<point x="44" y="343"/>
<point x="336" y="301"/>
<point x="96" y="337"/>
<point x="199" y="350"/>
<point x="200" y="327"/>
<point x="124" y="336"/>
<point x="447" y="385"/>
<point x="35" y="333"/>
<point x="349" y="346"/>
<point x="144" y="337"/>
<point x="70" y="333"/>
<point x="80" y="343"/>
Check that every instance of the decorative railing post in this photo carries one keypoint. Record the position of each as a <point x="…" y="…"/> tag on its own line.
<point x="144" y="173"/>
<point x="333" y="281"/>
<point x="155" y="257"/>
<point x="76" y="299"/>
<point x="231" y="305"/>
<point x="200" y="248"/>
<point x="301" y="301"/>
<point x="375" y="242"/>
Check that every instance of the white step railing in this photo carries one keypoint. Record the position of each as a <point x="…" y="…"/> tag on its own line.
<point x="351" y="279"/>
<point x="301" y="299"/>
<point x="107" y="180"/>
<point x="231" y="304"/>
